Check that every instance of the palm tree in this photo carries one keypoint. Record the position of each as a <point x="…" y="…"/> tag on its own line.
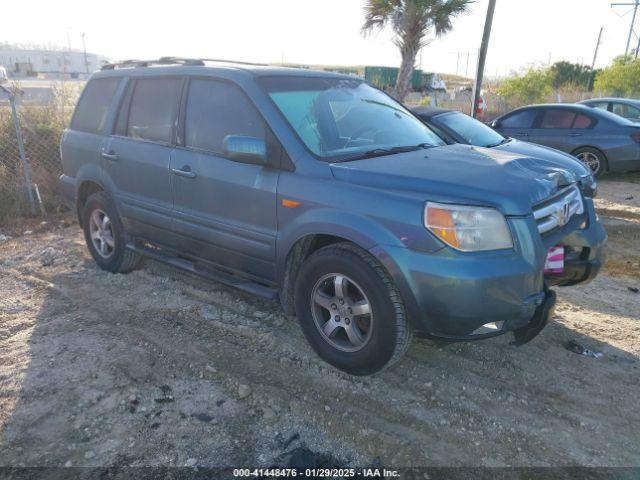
<point x="411" y="20"/>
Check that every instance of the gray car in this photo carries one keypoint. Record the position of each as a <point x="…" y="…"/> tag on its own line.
<point x="321" y="191"/>
<point x="624" y="107"/>
<point x="603" y="141"/>
<point x="456" y="127"/>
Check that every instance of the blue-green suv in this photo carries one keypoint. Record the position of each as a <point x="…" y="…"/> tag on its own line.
<point x="322" y="191"/>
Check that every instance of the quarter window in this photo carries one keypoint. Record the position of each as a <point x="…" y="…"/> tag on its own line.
<point x="93" y="108"/>
<point x="582" y="121"/>
<point x="216" y="109"/>
<point x="153" y="109"/>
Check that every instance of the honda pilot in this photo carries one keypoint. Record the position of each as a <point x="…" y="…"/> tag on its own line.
<point x="321" y="191"/>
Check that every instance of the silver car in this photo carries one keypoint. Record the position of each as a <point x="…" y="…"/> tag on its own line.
<point x="625" y="107"/>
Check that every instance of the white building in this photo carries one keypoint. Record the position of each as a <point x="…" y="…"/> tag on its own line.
<point x="29" y="63"/>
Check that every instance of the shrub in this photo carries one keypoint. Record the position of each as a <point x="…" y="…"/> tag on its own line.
<point x="533" y="86"/>
<point x="622" y="78"/>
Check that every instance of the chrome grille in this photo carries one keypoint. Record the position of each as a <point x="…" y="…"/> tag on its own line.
<point x="559" y="210"/>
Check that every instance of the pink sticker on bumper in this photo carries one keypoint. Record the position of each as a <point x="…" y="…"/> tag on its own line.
<point x="555" y="260"/>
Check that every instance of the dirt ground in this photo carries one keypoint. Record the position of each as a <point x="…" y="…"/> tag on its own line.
<point x="158" y="368"/>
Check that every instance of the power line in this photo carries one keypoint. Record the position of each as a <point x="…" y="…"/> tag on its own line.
<point x="635" y="6"/>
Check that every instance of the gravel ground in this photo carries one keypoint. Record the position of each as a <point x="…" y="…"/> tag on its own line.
<point x="158" y="368"/>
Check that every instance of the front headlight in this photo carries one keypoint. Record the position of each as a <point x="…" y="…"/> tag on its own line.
<point x="469" y="229"/>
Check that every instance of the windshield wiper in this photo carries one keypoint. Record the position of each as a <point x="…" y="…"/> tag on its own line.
<point x="381" y="152"/>
<point x="382" y="104"/>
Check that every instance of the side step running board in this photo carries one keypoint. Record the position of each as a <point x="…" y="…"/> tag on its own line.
<point x="210" y="273"/>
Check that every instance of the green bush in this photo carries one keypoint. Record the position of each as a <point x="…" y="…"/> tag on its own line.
<point x="533" y="86"/>
<point x="621" y="79"/>
<point x="567" y="75"/>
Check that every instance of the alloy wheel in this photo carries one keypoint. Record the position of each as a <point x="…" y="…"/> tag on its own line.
<point x="342" y="312"/>
<point x="591" y="160"/>
<point x="101" y="231"/>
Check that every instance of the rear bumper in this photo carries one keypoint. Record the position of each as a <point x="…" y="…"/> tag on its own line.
<point x="456" y="295"/>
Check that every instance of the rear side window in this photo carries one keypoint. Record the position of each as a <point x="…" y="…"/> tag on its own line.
<point x="216" y="109"/>
<point x="600" y="105"/>
<point x="626" y="111"/>
<point x="523" y="119"/>
<point x="93" y="107"/>
<point x="152" y="113"/>
<point x="557" y="119"/>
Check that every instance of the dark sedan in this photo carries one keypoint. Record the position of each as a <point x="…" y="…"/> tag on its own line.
<point x="603" y="141"/>
<point x="625" y="107"/>
<point x="456" y="127"/>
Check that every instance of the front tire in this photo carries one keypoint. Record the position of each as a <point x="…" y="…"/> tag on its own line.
<point x="350" y="311"/>
<point x="592" y="158"/>
<point x="104" y="234"/>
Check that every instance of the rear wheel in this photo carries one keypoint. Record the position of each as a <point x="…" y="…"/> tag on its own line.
<point x="350" y="311"/>
<point x="592" y="158"/>
<point x="104" y="234"/>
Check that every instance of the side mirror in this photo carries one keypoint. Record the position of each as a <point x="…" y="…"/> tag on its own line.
<point x="244" y="149"/>
<point x="495" y="124"/>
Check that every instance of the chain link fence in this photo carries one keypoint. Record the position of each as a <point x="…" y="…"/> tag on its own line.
<point x="494" y="104"/>
<point x="30" y="132"/>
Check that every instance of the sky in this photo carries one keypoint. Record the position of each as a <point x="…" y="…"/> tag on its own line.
<point x="525" y="32"/>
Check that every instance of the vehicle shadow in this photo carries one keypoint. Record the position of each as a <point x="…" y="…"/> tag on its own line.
<point x="101" y="369"/>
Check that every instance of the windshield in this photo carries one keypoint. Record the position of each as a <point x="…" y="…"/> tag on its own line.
<point x="473" y="131"/>
<point x="342" y="119"/>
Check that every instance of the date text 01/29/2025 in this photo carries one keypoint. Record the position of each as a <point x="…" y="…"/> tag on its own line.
<point x="316" y="473"/>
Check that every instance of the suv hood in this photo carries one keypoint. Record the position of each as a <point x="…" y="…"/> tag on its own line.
<point x="505" y="180"/>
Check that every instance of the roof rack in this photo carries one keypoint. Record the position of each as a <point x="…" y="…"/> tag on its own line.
<point x="170" y="61"/>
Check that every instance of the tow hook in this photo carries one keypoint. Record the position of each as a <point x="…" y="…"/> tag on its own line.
<point x="540" y="318"/>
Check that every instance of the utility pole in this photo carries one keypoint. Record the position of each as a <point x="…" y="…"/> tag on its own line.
<point x="593" y="63"/>
<point x="460" y="56"/>
<point x="483" y="55"/>
<point x="635" y="6"/>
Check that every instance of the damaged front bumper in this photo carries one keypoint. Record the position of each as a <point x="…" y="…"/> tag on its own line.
<point x="454" y="295"/>
<point x="540" y="319"/>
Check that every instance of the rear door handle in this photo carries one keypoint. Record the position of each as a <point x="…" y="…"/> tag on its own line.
<point x="575" y="134"/>
<point x="110" y="155"/>
<point x="184" y="172"/>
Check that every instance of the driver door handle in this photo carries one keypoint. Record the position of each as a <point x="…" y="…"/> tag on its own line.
<point x="185" y="171"/>
<point x="110" y="155"/>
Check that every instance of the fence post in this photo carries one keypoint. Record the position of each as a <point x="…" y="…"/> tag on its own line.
<point x="23" y="156"/>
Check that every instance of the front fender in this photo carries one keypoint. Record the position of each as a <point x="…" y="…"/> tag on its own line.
<point x="363" y="231"/>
